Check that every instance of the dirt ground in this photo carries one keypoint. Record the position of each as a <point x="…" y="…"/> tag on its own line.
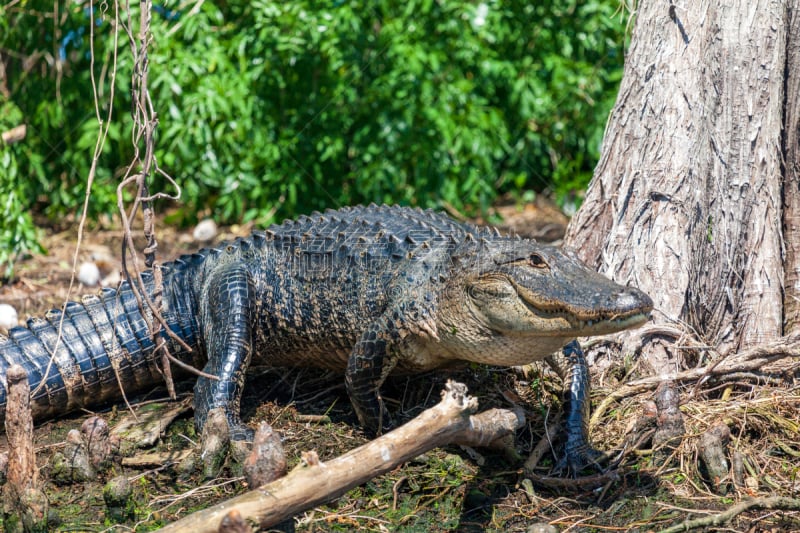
<point x="453" y="489"/>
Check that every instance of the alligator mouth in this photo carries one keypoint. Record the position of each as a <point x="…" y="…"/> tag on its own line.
<point x="585" y="322"/>
<point x="611" y="324"/>
<point x="571" y="324"/>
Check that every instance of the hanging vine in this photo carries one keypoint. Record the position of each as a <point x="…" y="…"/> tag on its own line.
<point x="142" y="167"/>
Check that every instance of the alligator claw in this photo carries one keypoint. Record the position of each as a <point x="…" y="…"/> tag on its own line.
<point x="240" y="432"/>
<point x="378" y="426"/>
<point x="387" y="424"/>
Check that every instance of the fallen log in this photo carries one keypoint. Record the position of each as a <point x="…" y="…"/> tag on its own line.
<point x="314" y="482"/>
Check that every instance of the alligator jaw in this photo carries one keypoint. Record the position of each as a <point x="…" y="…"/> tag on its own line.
<point x="630" y="309"/>
<point x="612" y="324"/>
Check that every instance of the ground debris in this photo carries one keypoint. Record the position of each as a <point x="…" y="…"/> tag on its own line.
<point x="309" y="485"/>
<point x="762" y="411"/>
<point x="144" y="427"/>
<point x="775" y="503"/>
<point x="157" y="458"/>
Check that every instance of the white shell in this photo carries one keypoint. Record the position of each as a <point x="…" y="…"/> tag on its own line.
<point x="8" y="317"/>
<point x="205" y="231"/>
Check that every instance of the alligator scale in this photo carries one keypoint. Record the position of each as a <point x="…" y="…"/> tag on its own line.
<point x="365" y="290"/>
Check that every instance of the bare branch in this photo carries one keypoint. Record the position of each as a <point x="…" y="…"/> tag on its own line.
<point x="775" y="502"/>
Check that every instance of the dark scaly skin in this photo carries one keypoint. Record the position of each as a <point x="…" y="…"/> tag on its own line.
<point x="571" y="366"/>
<point x="365" y="290"/>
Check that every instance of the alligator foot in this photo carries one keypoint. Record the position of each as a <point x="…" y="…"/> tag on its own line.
<point x="576" y="459"/>
<point x="223" y="436"/>
<point x="573" y="369"/>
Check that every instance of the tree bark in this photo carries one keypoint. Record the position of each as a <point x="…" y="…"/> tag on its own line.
<point x="791" y="183"/>
<point x="688" y="198"/>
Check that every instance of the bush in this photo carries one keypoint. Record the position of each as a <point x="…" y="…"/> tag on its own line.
<point x="271" y="108"/>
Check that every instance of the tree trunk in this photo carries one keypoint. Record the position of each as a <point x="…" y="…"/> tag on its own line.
<point x="698" y="177"/>
<point x="791" y="183"/>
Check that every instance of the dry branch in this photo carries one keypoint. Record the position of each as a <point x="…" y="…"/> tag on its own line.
<point x="776" y="502"/>
<point x="448" y="422"/>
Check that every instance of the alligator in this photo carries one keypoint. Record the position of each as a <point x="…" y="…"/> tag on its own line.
<point x="368" y="291"/>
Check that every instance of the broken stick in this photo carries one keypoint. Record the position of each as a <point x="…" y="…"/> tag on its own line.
<point x="309" y="485"/>
<point x="23" y="503"/>
<point x="22" y="471"/>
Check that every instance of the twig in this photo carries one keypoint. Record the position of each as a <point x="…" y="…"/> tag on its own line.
<point x="774" y="502"/>
<point x="545" y="443"/>
<point x="102" y="135"/>
<point x="145" y="121"/>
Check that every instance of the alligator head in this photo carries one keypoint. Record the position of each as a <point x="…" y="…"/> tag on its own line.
<point x="519" y="301"/>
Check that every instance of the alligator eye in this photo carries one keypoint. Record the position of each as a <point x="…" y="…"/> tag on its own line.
<point x="537" y="261"/>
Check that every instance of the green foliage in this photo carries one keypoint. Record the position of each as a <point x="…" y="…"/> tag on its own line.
<point x="271" y="108"/>
<point x="17" y="233"/>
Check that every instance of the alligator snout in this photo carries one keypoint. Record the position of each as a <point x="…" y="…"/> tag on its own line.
<point x="632" y="300"/>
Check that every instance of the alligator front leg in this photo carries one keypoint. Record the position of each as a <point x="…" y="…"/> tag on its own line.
<point x="369" y="364"/>
<point x="226" y="327"/>
<point x="572" y="368"/>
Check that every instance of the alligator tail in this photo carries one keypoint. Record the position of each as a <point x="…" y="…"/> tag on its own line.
<point x="84" y="355"/>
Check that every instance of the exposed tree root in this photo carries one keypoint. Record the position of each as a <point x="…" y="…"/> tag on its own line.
<point x="748" y="360"/>
<point x="575" y="484"/>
